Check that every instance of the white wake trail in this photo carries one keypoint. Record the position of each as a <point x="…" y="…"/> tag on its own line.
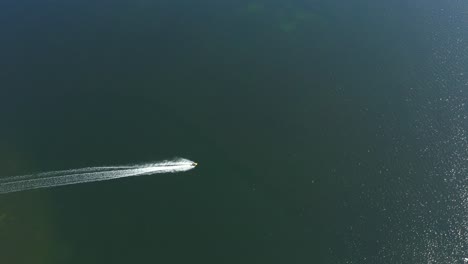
<point x="65" y="177"/>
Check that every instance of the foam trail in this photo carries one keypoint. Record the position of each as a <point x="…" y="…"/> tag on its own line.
<point x="65" y="177"/>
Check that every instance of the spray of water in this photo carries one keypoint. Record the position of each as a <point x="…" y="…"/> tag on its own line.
<point x="91" y="174"/>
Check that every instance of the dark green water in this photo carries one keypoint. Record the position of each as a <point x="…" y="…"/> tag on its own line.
<point x="325" y="131"/>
